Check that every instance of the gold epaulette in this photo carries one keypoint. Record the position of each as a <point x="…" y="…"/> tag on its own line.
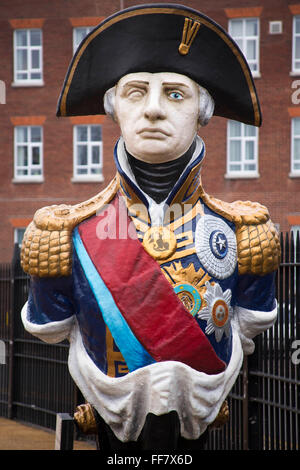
<point x="258" y="246"/>
<point x="47" y="244"/>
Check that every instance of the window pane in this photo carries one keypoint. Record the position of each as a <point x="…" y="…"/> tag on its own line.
<point x="81" y="132"/>
<point x="95" y="155"/>
<point x="250" y="131"/>
<point x="35" y="76"/>
<point x="81" y="155"/>
<point x="249" y="150"/>
<point x="36" y="172"/>
<point x="240" y="43"/>
<point x="251" y="49"/>
<point x="236" y="28"/>
<point x="250" y="167"/>
<point x="35" y="134"/>
<point x="296" y="149"/>
<point x="297" y="24"/>
<point x="79" y="35"/>
<point x="296" y="166"/>
<point x="251" y="27"/>
<point x="96" y="171"/>
<point x="19" y="235"/>
<point x="234" y="167"/>
<point x="35" y="59"/>
<point x="22" y="76"/>
<point x="297" y="48"/>
<point x="22" y="59"/>
<point x="35" y="155"/>
<point x="22" y="172"/>
<point x="235" y="129"/>
<point x="35" y="37"/>
<point x="235" y="151"/>
<point x="21" y="37"/>
<point x="296" y="126"/>
<point x="22" y="134"/>
<point x="22" y="156"/>
<point x="96" y="133"/>
<point x="81" y="171"/>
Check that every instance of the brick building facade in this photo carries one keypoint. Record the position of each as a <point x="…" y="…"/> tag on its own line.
<point x="47" y="160"/>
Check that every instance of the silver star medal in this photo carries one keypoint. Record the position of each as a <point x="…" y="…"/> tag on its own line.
<point x="218" y="312"/>
<point x="215" y="244"/>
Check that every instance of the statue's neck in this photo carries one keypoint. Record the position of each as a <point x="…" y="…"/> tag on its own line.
<point x="158" y="179"/>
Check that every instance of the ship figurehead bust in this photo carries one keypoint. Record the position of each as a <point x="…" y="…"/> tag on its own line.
<point x="158" y="286"/>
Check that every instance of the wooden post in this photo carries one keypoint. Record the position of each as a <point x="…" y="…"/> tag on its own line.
<point x="64" y="435"/>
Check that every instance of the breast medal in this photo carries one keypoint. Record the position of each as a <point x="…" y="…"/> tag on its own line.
<point x="215" y="244"/>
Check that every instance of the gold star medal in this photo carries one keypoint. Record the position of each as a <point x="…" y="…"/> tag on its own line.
<point x="159" y="242"/>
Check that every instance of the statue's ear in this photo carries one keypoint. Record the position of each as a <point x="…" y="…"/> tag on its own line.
<point x="206" y="107"/>
<point x="109" y="101"/>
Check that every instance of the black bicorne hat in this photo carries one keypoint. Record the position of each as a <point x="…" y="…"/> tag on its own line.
<point x="160" y="38"/>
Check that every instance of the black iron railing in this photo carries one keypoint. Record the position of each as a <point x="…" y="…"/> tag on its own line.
<point x="34" y="381"/>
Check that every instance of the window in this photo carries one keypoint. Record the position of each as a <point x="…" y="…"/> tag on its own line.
<point x="296" y="44"/>
<point x="28" y="153"/>
<point x="295" y="154"/>
<point x="245" y="31"/>
<point x="242" y="150"/>
<point x="18" y="235"/>
<point x="275" y="27"/>
<point x="28" y="56"/>
<point x="79" y="34"/>
<point x="88" y="153"/>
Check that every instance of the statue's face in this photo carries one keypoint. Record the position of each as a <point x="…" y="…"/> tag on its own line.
<point x="158" y="114"/>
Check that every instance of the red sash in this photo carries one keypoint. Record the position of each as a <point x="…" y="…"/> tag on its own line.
<point x="143" y="295"/>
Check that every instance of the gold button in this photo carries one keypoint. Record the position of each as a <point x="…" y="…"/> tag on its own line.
<point x="159" y="242"/>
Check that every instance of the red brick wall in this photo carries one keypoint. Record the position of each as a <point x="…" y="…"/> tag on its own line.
<point x="274" y="188"/>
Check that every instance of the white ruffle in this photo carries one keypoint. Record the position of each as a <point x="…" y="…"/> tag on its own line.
<point x="158" y="388"/>
<point x="250" y="323"/>
<point x="53" y="332"/>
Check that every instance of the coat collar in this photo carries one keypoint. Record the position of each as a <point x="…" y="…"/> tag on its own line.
<point x="141" y="205"/>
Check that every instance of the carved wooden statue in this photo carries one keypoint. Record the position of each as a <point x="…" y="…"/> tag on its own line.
<point x="158" y="286"/>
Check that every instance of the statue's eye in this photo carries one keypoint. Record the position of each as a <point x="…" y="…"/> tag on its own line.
<point x="175" y="95"/>
<point x="135" y="93"/>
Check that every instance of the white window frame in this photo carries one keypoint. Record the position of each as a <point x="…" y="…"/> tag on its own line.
<point x="89" y="177"/>
<point x="294" y="173"/>
<point x="86" y="29"/>
<point x="295" y="69"/>
<point x="243" y="138"/>
<point x="244" y="39"/>
<point x="29" y="48"/>
<point x="29" y="178"/>
<point x="16" y="234"/>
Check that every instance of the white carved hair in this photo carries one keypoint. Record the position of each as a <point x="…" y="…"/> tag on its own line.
<point x="206" y="105"/>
